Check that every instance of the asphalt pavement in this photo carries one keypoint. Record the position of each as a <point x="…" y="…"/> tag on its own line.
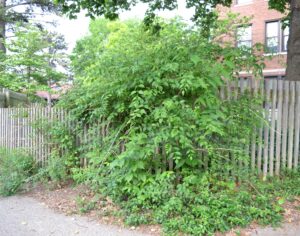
<point x="24" y="216"/>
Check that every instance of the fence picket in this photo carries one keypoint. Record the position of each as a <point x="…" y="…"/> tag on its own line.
<point x="268" y="84"/>
<point x="278" y="127"/>
<point x="285" y="112"/>
<point x="272" y="129"/>
<point x="291" y="124"/>
<point x="297" y="125"/>
<point x="253" y="87"/>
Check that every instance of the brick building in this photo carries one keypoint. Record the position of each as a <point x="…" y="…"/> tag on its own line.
<point x="265" y="27"/>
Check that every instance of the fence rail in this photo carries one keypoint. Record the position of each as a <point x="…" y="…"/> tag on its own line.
<point x="274" y="145"/>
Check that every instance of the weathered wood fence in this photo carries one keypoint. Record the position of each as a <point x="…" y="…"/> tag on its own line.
<point x="274" y="146"/>
<point x="277" y="147"/>
<point x="19" y="128"/>
<point x="9" y="98"/>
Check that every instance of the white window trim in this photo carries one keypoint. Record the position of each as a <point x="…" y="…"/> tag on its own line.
<point x="275" y="54"/>
<point x="236" y="4"/>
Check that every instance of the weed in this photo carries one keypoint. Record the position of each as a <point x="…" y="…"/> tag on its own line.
<point x="85" y="205"/>
<point x="16" y="168"/>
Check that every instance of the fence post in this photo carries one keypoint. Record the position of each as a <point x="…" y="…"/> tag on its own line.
<point x="7" y="97"/>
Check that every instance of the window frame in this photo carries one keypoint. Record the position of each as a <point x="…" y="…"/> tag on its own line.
<point x="280" y="36"/>
<point x="236" y="36"/>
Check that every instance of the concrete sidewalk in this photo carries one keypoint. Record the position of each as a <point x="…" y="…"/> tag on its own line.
<point x="285" y="230"/>
<point x="23" y="216"/>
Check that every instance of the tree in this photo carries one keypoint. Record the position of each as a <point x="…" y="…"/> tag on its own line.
<point x="204" y="15"/>
<point x="88" y="49"/>
<point x="293" y="57"/>
<point x="2" y="25"/>
<point x="15" y="11"/>
<point x="33" y="58"/>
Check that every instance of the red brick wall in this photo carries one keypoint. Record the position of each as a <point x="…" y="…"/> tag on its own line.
<point x="258" y="9"/>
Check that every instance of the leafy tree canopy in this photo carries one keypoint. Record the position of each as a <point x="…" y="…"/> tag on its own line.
<point x="33" y="58"/>
<point x="23" y="10"/>
<point x="110" y="9"/>
<point x="204" y="16"/>
<point x="13" y="12"/>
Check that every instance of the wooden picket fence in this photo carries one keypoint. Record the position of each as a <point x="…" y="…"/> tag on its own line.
<point x="19" y="128"/>
<point x="274" y="145"/>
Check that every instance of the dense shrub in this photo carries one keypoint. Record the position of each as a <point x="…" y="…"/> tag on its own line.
<point x="56" y="169"/>
<point x="160" y="94"/>
<point x="16" y="168"/>
<point x="161" y="91"/>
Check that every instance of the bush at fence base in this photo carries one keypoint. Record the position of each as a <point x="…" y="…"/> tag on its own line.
<point x="201" y="204"/>
<point x="15" y="169"/>
<point x="57" y="171"/>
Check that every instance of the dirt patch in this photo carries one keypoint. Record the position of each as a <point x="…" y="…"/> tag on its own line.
<point x="291" y="211"/>
<point x="71" y="200"/>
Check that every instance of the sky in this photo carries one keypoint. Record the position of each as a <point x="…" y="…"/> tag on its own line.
<point x="78" y="28"/>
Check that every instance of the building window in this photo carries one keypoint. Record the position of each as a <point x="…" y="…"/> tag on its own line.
<point x="276" y="37"/>
<point x="244" y="36"/>
<point x="241" y="2"/>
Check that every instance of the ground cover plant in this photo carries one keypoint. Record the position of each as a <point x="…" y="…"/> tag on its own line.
<point x="202" y="205"/>
<point x="173" y="148"/>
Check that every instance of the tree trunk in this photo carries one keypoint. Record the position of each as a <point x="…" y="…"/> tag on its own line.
<point x="293" y="57"/>
<point x="2" y="25"/>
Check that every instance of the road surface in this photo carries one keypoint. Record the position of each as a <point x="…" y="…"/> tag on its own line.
<point x="24" y="216"/>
